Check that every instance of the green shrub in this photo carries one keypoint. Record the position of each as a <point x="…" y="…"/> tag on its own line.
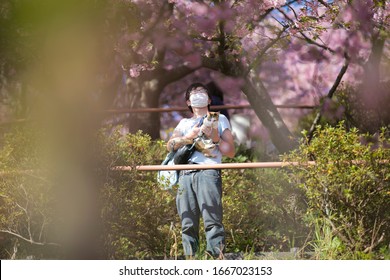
<point x="139" y="218"/>
<point x="347" y="190"/>
<point x="262" y="211"/>
<point x="26" y="197"/>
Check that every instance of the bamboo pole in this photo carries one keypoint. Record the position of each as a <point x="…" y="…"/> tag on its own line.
<point x="244" y="165"/>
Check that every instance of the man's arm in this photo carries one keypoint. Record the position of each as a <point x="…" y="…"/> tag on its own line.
<point x="177" y="139"/>
<point x="226" y="144"/>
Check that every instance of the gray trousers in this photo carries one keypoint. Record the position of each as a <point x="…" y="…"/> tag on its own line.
<point x="200" y="194"/>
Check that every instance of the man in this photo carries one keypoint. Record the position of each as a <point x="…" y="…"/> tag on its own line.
<point x="200" y="191"/>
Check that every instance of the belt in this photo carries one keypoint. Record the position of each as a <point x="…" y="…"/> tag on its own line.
<point x="189" y="171"/>
<point x="185" y="172"/>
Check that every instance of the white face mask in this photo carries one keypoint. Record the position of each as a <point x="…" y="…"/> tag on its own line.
<point x="199" y="99"/>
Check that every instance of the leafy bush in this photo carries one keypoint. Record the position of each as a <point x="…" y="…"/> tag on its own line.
<point x="139" y="218"/>
<point x="26" y="197"/>
<point x="347" y="196"/>
<point x="347" y="190"/>
<point x="261" y="210"/>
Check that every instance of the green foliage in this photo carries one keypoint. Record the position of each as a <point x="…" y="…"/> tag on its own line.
<point x="137" y="214"/>
<point x="350" y="106"/>
<point x="347" y="191"/>
<point x="25" y="196"/>
<point x="344" y="199"/>
<point x="262" y="211"/>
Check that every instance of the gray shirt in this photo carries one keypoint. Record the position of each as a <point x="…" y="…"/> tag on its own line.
<point x="186" y="125"/>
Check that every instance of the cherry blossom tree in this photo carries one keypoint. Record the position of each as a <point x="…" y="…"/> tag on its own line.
<point x="261" y="52"/>
<point x="271" y="51"/>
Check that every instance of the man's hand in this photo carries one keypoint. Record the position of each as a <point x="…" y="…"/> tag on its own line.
<point x="193" y="133"/>
<point x="211" y="133"/>
<point x="178" y="142"/>
<point x="207" y="130"/>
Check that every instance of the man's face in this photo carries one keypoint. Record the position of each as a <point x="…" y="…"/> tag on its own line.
<point x="198" y="98"/>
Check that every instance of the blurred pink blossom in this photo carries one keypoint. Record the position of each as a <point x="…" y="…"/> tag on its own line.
<point x="136" y="69"/>
<point x="229" y="85"/>
<point x="193" y="60"/>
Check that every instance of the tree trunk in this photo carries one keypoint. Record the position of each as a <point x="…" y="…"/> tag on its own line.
<point x="264" y="108"/>
<point x="149" y="123"/>
<point x="149" y="91"/>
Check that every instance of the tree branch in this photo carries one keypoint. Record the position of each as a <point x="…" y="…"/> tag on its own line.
<point x="324" y="3"/>
<point x="305" y="37"/>
<point x="153" y="25"/>
<point x="338" y="232"/>
<point x="222" y="46"/>
<point x="169" y="76"/>
<point x="29" y="240"/>
<point x="375" y="232"/>
<point x="312" y="42"/>
<point x="329" y="96"/>
<point x="264" y="50"/>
